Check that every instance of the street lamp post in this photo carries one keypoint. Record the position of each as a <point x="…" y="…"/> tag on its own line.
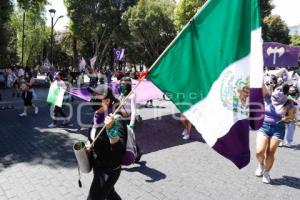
<point x="52" y="14"/>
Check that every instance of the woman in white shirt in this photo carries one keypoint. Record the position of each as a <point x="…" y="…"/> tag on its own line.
<point x="129" y="108"/>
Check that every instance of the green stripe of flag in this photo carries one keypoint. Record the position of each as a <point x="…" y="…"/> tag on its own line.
<point x="255" y="15"/>
<point x="218" y="36"/>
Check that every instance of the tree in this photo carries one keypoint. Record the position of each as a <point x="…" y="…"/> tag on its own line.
<point x="266" y="8"/>
<point x="122" y="5"/>
<point x="94" y="24"/>
<point x="295" y="40"/>
<point x="5" y="32"/>
<point x="185" y="10"/>
<point x="275" y="30"/>
<point x="36" y="6"/>
<point x="35" y="34"/>
<point x="151" y="27"/>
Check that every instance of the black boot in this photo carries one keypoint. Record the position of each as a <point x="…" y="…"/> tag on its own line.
<point x="139" y="154"/>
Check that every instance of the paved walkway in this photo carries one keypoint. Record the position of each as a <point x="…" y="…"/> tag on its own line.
<point x="38" y="163"/>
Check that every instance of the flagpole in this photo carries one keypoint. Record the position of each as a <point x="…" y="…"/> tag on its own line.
<point x="152" y="66"/>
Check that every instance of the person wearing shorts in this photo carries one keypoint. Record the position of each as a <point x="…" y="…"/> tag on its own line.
<point x="27" y="98"/>
<point x="278" y="111"/>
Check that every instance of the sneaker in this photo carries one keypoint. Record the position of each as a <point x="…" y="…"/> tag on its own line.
<point x="52" y="125"/>
<point x="186" y="136"/>
<point x="184" y="132"/>
<point x="266" y="177"/>
<point x="289" y="144"/>
<point x="280" y="144"/>
<point x="23" y="114"/>
<point x="36" y="110"/>
<point x="259" y="170"/>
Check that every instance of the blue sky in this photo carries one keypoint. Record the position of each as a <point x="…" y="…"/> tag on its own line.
<point x="287" y="9"/>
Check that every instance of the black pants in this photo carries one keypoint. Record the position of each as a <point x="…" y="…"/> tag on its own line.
<point x="104" y="190"/>
<point x="58" y="112"/>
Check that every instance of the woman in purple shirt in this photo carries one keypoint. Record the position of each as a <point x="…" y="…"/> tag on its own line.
<point x="278" y="111"/>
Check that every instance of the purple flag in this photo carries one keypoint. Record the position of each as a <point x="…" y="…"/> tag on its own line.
<point x="93" y="61"/>
<point x="280" y="55"/>
<point x="81" y="93"/>
<point x="82" y="65"/>
<point x="115" y="86"/>
<point x="85" y="95"/>
<point x="119" y="54"/>
<point x="145" y="91"/>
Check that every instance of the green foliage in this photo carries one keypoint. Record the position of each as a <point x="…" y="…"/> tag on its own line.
<point x="144" y="28"/>
<point x="295" y="40"/>
<point x="151" y="28"/>
<point x="185" y="10"/>
<point x="275" y="30"/>
<point x="35" y="34"/>
<point x="94" y="24"/>
<point x="265" y="8"/>
<point x="6" y="33"/>
<point x="36" y="6"/>
<point x="123" y="4"/>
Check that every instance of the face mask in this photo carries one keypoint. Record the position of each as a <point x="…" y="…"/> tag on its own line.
<point x="123" y="89"/>
<point x="96" y="104"/>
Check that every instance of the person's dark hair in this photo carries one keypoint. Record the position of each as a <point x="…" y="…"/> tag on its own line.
<point x="111" y="96"/>
<point x="127" y="85"/>
<point x="285" y="89"/>
<point x="106" y="92"/>
<point x="274" y="81"/>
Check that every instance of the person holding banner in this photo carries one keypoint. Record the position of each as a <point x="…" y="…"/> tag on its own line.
<point x="58" y="111"/>
<point x="109" y="148"/>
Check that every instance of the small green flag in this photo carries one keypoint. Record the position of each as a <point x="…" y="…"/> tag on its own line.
<point x="56" y="94"/>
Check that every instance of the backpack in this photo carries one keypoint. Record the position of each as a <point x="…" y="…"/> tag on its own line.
<point x="131" y="148"/>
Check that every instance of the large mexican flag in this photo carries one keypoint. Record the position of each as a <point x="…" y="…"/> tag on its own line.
<point x="210" y="69"/>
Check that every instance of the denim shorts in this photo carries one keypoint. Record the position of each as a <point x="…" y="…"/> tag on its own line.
<point x="276" y="131"/>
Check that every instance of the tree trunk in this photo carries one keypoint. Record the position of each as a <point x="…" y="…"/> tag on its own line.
<point x="101" y="58"/>
<point x="75" y="52"/>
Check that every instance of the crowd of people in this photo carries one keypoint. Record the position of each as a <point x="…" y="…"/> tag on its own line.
<point x="20" y="81"/>
<point x="281" y="98"/>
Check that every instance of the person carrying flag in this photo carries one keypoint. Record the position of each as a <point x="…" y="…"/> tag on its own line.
<point x="58" y="111"/>
<point x="109" y="148"/>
